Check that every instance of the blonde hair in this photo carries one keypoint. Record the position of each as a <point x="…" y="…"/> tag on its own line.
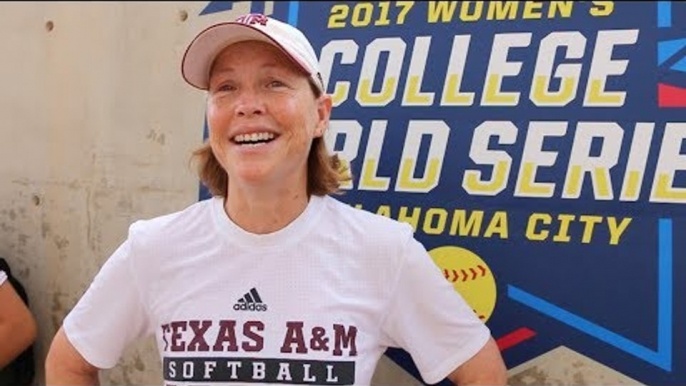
<point x="325" y="172"/>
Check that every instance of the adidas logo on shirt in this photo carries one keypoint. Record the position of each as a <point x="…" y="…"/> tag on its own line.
<point x="251" y="301"/>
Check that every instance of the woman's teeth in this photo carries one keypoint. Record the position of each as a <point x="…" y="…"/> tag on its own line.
<point x="253" y="138"/>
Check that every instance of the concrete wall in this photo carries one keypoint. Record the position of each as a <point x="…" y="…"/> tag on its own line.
<point x="96" y="130"/>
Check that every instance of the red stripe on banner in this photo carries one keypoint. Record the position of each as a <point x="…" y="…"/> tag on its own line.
<point x="670" y="96"/>
<point x="514" y="338"/>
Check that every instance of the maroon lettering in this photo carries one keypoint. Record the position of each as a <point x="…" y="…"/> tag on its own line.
<point x="294" y="335"/>
<point x="249" y="331"/>
<point x="253" y="18"/>
<point x="319" y="341"/>
<point x="226" y="334"/>
<point x="198" y="343"/>
<point x="177" y="327"/>
<point x="165" y="331"/>
<point x="345" y="339"/>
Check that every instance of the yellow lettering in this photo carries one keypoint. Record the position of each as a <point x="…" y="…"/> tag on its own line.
<point x="363" y="20"/>
<point x="588" y="229"/>
<point x="442" y="9"/>
<point x="545" y="98"/>
<point x="564" y="8"/>
<point x="531" y="227"/>
<point x="429" y="227"/>
<point x="413" y="96"/>
<point x="502" y="10"/>
<point x="631" y="185"/>
<point x="573" y="184"/>
<point x="383" y="19"/>
<point x="527" y="185"/>
<point x="430" y="179"/>
<point x="405" y="7"/>
<point x="497" y="225"/>
<point x="602" y="8"/>
<point x="379" y="99"/>
<point x="602" y="182"/>
<point x="615" y="230"/>
<point x="497" y="183"/>
<point x="340" y="93"/>
<point x="466" y="227"/>
<point x="412" y="219"/>
<point x="494" y="96"/>
<point x="339" y="13"/>
<point x="599" y="97"/>
<point x="532" y="10"/>
<point x="452" y="95"/>
<point x="562" y="235"/>
<point x="665" y="191"/>
<point x="475" y="15"/>
<point x="369" y="179"/>
<point x="384" y="210"/>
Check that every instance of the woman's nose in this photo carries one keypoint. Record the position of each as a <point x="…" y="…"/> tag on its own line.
<point x="249" y="103"/>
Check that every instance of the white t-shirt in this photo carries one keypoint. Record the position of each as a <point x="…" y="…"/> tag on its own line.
<point x="318" y="301"/>
<point x="3" y="277"/>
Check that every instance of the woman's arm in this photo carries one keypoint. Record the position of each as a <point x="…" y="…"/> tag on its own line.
<point x="484" y="368"/>
<point x="65" y="366"/>
<point x="17" y="326"/>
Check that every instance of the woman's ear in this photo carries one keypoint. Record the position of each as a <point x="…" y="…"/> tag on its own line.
<point x="324" y="105"/>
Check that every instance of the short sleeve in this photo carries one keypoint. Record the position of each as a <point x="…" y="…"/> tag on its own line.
<point x="110" y="315"/>
<point x="3" y="277"/>
<point x="429" y="319"/>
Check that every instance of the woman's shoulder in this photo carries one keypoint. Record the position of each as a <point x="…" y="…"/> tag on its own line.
<point x="193" y="218"/>
<point x="371" y="225"/>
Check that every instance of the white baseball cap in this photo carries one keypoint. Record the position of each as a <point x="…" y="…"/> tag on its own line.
<point x="202" y="51"/>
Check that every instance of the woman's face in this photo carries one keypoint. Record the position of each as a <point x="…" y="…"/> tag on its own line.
<point x="263" y="115"/>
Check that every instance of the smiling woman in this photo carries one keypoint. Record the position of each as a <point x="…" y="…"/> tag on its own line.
<point x="269" y="101"/>
<point x="264" y="123"/>
<point x="255" y="91"/>
<point x="271" y="280"/>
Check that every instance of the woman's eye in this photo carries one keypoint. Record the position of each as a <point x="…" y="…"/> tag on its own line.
<point x="225" y="87"/>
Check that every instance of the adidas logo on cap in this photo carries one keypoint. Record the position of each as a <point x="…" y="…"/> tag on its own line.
<point x="251" y="301"/>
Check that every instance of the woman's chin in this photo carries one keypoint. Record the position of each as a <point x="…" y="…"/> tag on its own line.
<point x="251" y="176"/>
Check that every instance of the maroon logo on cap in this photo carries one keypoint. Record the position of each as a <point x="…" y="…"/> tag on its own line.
<point x="253" y="18"/>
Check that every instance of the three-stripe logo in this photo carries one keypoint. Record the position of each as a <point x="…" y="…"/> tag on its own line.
<point x="251" y="301"/>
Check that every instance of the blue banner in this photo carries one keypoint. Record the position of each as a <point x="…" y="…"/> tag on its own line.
<point x="538" y="150"/>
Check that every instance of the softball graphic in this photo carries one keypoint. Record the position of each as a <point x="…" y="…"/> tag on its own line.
<point x="470" y="276"/>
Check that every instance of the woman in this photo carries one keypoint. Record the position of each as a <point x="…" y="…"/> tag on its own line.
<point x="271" y="281"/>
<point x="17" y="325"/>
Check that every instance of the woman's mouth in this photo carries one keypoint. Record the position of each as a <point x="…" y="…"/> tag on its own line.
<point x="254" y="139"/>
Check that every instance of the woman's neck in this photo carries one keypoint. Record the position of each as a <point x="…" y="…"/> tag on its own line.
<point x="263" y="211"/>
